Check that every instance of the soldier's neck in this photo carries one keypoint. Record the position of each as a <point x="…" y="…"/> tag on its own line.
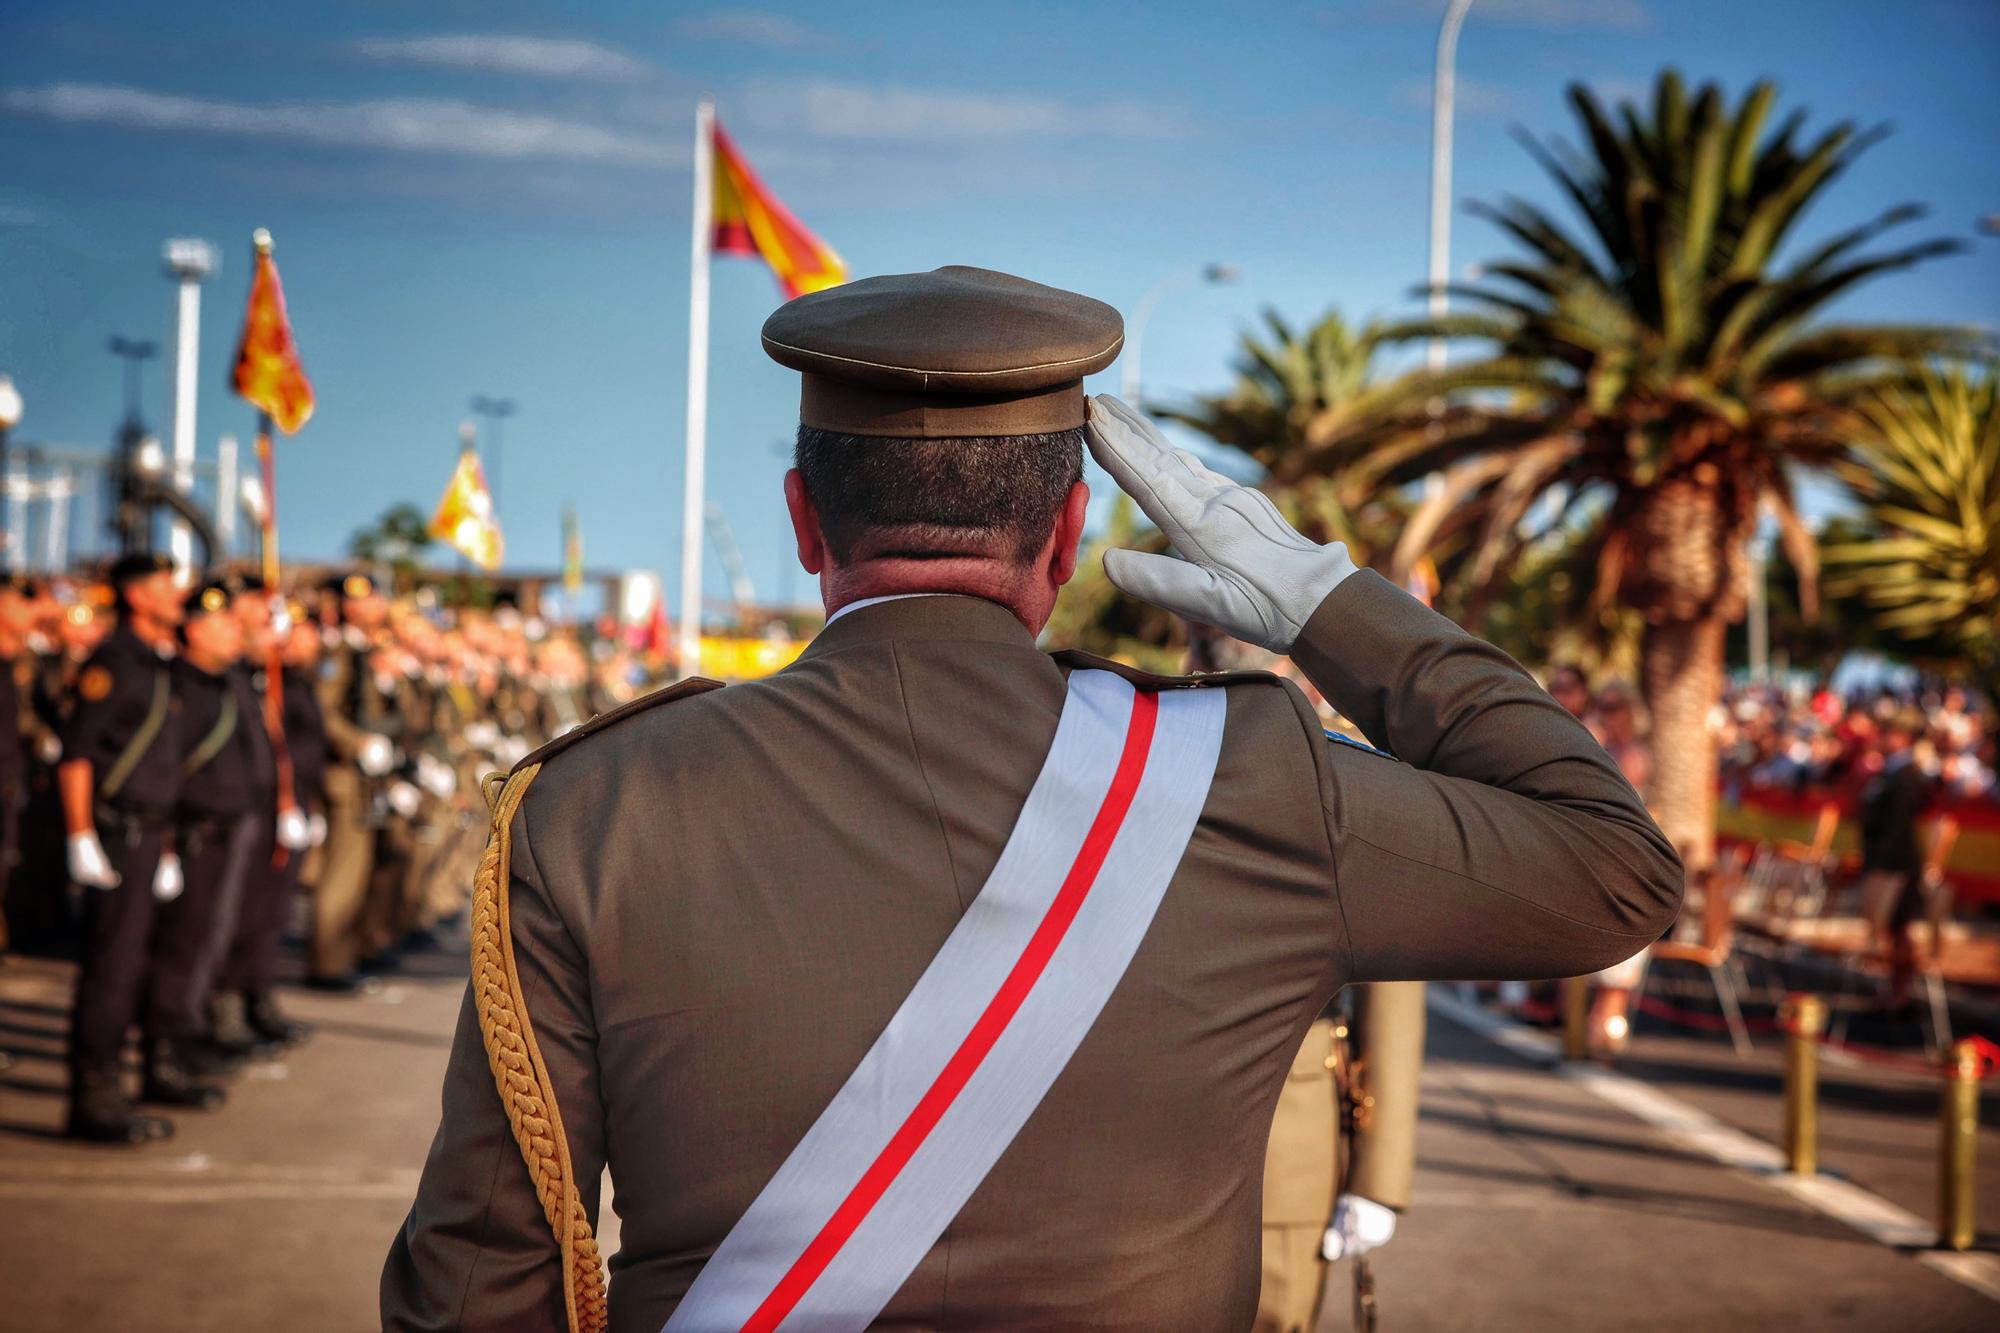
<point x="1002" y="583"/>
<point x="153" y="633"/>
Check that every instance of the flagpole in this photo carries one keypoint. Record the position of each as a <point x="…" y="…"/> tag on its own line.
<point x="274" y="654"/>
<point x="692" y="497"/>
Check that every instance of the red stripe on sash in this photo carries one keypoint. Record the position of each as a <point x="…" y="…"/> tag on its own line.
<point x="1006" y="1001"/>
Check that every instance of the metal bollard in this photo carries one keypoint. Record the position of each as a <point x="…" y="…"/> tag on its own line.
<point x="1576" y="1018"/>
<point x="1959" y="1114"/>
<point x="1805" y="1019"/>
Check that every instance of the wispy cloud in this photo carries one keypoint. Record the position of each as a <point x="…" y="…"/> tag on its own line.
<point x="1473" y="96"/>
<point x="412" y="125"/>
<point x="849" y="111"/>
<point x="1603" y="15"/>
<point x="537" y="57"/>
<point x="751" y="27"/>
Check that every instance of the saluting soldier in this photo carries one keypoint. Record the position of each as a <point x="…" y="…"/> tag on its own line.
<point x="119" y="781"/>
<point x="355" y="713"/>
<point x="1056" y="927"/>
<point x="1343" y="1148"/>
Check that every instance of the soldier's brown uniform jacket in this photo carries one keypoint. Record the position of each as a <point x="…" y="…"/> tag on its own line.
<point x="718" y="903"/>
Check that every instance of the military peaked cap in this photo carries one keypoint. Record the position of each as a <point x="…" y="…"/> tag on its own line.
<point x="951" y="353"/>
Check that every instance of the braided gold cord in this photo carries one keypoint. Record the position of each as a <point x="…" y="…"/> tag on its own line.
<point x="518" y="1072"/>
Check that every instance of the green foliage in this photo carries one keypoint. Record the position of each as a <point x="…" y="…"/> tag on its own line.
<point x="397" y="540"/>
<point x="1928" y="467"/>
<point x="1666" y="340"/>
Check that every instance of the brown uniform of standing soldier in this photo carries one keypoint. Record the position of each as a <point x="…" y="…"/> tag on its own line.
<point x="717" y="900"/>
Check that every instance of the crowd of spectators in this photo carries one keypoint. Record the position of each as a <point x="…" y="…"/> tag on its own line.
<point x="1820" y="739"/>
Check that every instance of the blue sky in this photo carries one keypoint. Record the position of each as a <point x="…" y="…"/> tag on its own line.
<point x="493" y="197"/>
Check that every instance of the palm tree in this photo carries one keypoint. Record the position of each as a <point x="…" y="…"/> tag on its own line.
<point x="1667" y="360"/>
<point x="1929" y="469"/>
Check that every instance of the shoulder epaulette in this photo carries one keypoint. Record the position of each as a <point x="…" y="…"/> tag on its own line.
<point x="680" y="690"/>
<point x="1153" y="680"/>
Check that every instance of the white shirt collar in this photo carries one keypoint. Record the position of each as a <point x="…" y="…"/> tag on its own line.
<point x="876" y="601"/>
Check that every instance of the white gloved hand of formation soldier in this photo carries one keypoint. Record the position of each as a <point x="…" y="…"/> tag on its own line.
<point x="316" y="830"/>
<point x="376" y="755"/>
<point x="294" y="830"/>
<point x="1359" y="1225"/>
<point x="436" y="776"/>
<point x="405" y="799"/>
<point x="1240" y="567"/>
<point x="88" y="863"/>
<point x="168" y="881"/>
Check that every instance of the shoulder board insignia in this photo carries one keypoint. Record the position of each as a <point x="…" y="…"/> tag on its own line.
<point x="691" y="686"/>
<point x="1153" y="680"/>
<point x="1352" y="744"/>
<point x="94" y="684"/>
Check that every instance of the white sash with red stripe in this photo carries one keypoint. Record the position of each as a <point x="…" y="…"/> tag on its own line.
<point x="989" y="1026"/>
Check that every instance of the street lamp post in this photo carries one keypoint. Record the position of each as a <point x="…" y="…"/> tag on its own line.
<point x="188" y="262"/>
<point x="495" y="410"/>
<point x="10" y="416"/>
<point x="1135" y="332"/>
<point x="1441" y="115"/>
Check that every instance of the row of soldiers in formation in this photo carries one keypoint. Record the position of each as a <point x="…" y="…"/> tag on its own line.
<point x="164" y="805"/>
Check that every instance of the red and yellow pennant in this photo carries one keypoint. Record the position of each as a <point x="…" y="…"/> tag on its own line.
<point x="464" y="519"/>
<point x="749" y="221"/>
<point x="268" y="372"/>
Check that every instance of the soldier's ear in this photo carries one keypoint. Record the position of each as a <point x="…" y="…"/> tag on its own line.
<point x="805" y="523"/>
<point x="1068" y="536"/>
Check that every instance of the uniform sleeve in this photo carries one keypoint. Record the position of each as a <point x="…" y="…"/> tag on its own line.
<point x="343" y="738"/>
<point x="1389" y="1041"/>
<point x="475" y="1252"/>
<point x="89" y="733"/>
<point x="1505" y="843"/>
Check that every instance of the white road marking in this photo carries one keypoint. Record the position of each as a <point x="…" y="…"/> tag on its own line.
<point x="1870" y="1214"/>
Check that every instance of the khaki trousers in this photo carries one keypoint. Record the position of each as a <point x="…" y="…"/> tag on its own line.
<point x="342" y="886"/>
<point x="1301" y="1172"/>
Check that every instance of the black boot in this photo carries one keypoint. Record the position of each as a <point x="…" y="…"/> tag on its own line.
<point x="100" y="1112"/>
<point x="271" y="1025"/>
<point x="229" y="1030"/>
<point x="169" y="1080"/>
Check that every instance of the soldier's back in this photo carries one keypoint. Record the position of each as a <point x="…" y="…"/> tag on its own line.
<point x="758" y="877"/>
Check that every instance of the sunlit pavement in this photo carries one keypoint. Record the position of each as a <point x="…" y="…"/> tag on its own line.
<point x="1537" y="1204"/>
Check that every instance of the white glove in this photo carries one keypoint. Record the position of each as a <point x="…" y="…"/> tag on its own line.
<point x="436" y="776"/>
<point x="1241" y="568"/>
<point x="88" y="863"/>
<point x="482" y="735"/>
<point x="376" y="755"/>
<point x="294" y="830"/>
<point x="168" y="881"/>
<point x="316" y="826"/>
<point x="49" y="748"/>
<point x="1359" y="1225"/>
<point x="404" y="798"/>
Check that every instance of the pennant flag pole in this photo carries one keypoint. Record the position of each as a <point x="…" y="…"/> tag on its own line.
<point x="733" y="215"/>
<point x="572" y="535"/>
<point x="270" y="378"/>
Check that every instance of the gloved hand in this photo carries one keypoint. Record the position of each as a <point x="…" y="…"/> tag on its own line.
<point x="88" y="863"/>
<point x="1359" y="1225"/>
<point x="168" y="881"/>
<point x="1241" y="568"/>
<point x="294" y="831"/>
<point x="436" y="777"/>
<point x="404" y="798"/>
<point x="376" y="755"/>
<point x="316" y="826"/>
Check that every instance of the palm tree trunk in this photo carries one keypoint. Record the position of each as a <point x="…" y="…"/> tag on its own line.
<point x="1680" y="672"/>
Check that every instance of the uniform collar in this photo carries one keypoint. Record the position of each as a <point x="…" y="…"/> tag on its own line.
<point x="939" y="617"/>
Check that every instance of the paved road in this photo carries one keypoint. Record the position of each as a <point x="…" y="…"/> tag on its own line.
<point x="1537" y="1205"/>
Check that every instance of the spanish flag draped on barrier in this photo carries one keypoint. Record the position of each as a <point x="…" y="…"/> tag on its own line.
<point x="733" y="215"/>
<point x="464" y="519"/>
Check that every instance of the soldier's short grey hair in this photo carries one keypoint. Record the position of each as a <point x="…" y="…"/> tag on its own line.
<point x="993" y="496"/>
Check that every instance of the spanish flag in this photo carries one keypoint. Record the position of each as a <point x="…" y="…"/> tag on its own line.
<point x="748" y="221"/>
<point x="464" y="519"/>
<point x="268" y="372"/>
